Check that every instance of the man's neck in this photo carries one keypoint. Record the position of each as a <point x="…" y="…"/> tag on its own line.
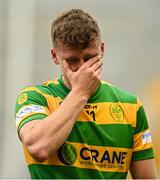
<point x="66" y="82"/>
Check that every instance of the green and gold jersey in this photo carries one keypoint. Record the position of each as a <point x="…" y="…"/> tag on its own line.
<point x="110" y="132"/>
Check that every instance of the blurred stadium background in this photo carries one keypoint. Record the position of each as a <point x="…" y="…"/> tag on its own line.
<point x="131" y="31"/>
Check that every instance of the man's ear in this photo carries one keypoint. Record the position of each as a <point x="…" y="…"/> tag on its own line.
<point x="102" y="49"/>
<point x="54" y="56"/>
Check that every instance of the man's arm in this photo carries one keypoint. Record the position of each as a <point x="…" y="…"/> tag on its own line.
<point x="43" y="137"/>
<point x="143" y="169"/>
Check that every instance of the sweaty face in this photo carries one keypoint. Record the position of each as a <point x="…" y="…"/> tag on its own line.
<point x="76" y="58"/>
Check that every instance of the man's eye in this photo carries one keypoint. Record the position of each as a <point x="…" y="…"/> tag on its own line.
<point x="89" y="57"/>
<point x="86" y="59"/>
<point x="73" y="61"/>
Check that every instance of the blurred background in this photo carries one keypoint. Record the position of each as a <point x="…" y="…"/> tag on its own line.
<point x="131" y="32"/>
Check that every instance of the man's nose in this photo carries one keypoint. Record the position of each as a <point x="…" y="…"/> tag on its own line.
<point x="82" y="61"/>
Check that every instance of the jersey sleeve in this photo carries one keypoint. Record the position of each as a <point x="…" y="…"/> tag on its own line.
<point x="143" y="147"/>
<point x="30" y="105"/>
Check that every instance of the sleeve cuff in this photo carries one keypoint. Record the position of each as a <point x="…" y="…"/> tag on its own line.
<point x="31" y="118"/>
<point x="142" y="155"/>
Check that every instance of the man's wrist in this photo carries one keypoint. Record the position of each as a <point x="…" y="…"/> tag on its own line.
<point x="80" y="95"/>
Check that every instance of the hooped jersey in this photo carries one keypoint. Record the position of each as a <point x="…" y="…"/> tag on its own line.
<point x="110" y="132"/>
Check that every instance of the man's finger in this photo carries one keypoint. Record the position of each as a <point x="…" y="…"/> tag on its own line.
<point x="92" y="61"/>
<point x="97" y="65"/>
<point x="99" y="72"/>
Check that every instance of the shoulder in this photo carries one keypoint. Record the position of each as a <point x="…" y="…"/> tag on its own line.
<point x="38" y="93"/>
<point x="41" y="88"/>
<point x="119" y="94"/>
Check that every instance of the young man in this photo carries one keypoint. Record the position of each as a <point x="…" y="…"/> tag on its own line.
<point x="78" y="126"/>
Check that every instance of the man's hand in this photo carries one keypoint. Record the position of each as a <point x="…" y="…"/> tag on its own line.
<point x="87" y="78"/>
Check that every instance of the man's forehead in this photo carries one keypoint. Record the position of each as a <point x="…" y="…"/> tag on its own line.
<point x="71" y="53"/>
<point x="63" y="46"/>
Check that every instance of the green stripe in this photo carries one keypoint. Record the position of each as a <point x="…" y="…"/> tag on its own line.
<point x="142" y="123"/>
<point x="31" y="118"/>
<point x="114" y="135"/>
<point x="57" y="90"/>
<point x="142" y="155"/>
<point x="109" y="93"/>
<point x="44" y="89"/>
<point x="69" y="172"/>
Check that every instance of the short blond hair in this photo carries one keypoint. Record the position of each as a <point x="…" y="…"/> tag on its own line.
<point x="75" y="29"/>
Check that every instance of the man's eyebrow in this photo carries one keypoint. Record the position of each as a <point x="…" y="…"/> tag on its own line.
<point x="69" y="58"/>
<point x="91" y="55"/>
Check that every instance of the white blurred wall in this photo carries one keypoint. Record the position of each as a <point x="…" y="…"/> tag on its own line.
<point x="131" y="31"/>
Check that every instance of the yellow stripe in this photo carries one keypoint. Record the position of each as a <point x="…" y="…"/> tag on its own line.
<point x="97" y="157"/>
<point x="104" y="115"/>
<point x="138" y="144"/>
<point x="105" y="82"/>
<point x="30" y="88"/>
<point x="55" y="81"/>
<point x="139" y="104"/>
<point x="53" y="102"/>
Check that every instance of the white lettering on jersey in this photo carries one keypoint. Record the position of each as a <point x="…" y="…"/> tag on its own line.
<point x="26" y="110"/>
<point x="146" y="137"/>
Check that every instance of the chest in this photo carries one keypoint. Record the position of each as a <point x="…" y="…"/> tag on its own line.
<point x="105" y="124"/>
